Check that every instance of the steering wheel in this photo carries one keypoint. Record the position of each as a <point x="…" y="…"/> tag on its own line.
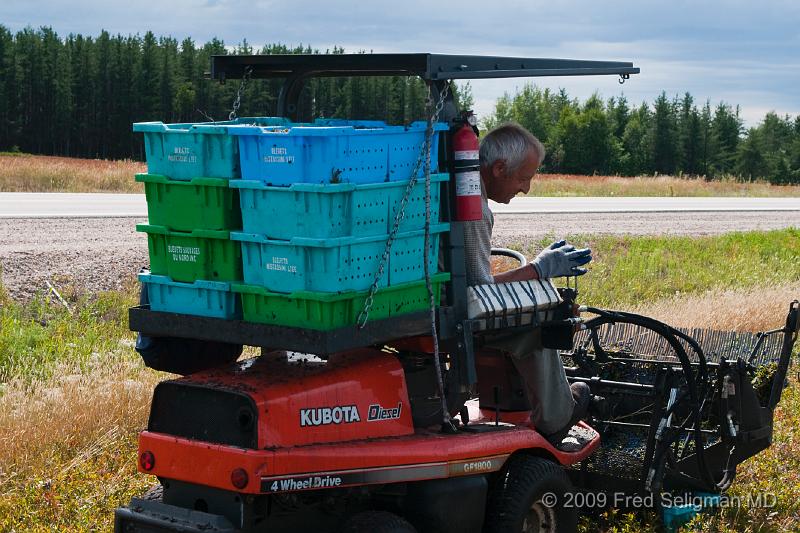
<point x="507" y="252"/>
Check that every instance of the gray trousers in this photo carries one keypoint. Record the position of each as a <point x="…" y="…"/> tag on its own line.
<point x="543" y="373"/>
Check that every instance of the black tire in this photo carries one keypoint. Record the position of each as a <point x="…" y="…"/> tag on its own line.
<point x="153" y="494"/>
<point x="185" y="356"/>
<point x="515" y="501"/>
<point x="377" y="522"/>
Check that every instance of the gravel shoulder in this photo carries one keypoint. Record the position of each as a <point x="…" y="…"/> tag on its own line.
<point x="524" y="229"/>
<point x="87" y="254"/>
<point x="97" y="254"/>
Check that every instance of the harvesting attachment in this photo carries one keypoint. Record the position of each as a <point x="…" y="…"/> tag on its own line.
<point x="682" y="407"/>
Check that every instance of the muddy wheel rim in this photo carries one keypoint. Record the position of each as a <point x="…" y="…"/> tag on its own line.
<point x="540" y="519"/>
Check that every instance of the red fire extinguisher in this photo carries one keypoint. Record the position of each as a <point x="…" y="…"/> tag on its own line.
<point x="467" y="169"/>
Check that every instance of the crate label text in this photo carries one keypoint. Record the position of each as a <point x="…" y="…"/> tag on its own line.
<point x="281" y="264"/>
<point x="279" y="155"/>
<point x="184" y="254"/>
<point x="182" y="154"/>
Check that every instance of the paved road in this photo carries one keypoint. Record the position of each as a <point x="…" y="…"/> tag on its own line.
<point x="71" y="205"/>
<point x="49" y="205"/>
<point x="70" y="239"/>
<point x="532" y="205"/>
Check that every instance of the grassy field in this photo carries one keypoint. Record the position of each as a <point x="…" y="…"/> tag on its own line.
<point x="29" y="173"/>
<point x="72" y="399"/>
<point x="73" y="394"/>
<point x="37" y="173"/>
<point x="630" y="270"/>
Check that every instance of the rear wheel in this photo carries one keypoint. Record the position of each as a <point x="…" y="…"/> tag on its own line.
<point x="529" y="497"/>
<point x="154" y="494"/>
<point x="185" y="356"/>
<point x="377" y="522"/>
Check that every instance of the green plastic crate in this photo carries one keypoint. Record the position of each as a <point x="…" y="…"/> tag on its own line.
<point x="201" y="203"/>
<point x="193" y="255"/>
<point x="326" y="311"/>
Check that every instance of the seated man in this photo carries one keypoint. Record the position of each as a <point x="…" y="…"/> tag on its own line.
<point x="510" y="157"/>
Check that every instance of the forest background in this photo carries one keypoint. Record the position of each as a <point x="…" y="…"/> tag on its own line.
<point x="78" y="96"/>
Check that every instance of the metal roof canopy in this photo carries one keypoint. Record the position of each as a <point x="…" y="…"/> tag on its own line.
<point x="431" y="67"/>
<point x="434" y="69"/>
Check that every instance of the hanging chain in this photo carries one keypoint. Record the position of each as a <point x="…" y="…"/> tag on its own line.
<point x="433" y="115"/>
<point x="237" y="102"/>
<point x="206" y="115"/>
<point x="447" y="424"/>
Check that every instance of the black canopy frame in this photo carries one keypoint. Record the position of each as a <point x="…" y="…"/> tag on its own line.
<point x="435" y="69"/>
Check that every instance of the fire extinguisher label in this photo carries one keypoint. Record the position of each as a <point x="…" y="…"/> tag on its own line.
<point x="468" y="183"/>
<point x="466" y="154"/>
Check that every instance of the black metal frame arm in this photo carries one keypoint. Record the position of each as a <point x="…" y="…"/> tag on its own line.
<point x="437" y="68"/>
<point x="427" y="66"/>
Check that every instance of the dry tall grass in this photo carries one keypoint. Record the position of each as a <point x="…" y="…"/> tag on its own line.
<point x="80" y="412"/>
<point x="572" y="185"/>
<point x="756" y="309"/>
<point x="29" y="173"/>
<point x="32" y="173"/>
<point x="69" y="446"/>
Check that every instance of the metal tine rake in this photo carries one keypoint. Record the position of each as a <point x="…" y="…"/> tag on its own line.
<point x="757" y="348"/>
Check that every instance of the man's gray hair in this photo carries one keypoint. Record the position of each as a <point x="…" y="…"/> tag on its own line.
<point x="509" y="142"/>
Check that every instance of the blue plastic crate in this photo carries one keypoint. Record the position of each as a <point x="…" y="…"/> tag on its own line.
<point x="203" y="149"/>
<point x="691" y="504"/>
<point x="334" y="265"/>
<point x="202" y="298"/>
<point x="333" y="151"/>
<point x="328" y="211"/>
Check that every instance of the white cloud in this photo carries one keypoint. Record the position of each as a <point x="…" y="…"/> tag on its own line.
<point x="739" y="51"/>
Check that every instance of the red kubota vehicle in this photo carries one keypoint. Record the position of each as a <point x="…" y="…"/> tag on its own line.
<point x="398" y="427"/>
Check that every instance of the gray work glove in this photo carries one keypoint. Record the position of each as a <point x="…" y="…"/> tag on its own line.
<point x="561" y="259"/>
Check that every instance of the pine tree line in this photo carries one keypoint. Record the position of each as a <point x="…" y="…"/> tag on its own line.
<point x="79" y="96"/>
<point x="670" y="137"/>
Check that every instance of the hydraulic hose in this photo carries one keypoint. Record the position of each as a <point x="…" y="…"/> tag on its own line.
<point x="678" y="333"/>
<point x="669" y="334"/>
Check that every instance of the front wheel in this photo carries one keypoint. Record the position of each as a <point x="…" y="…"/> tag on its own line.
<point x="377" y="522"/>
<point x="529" y="497"/>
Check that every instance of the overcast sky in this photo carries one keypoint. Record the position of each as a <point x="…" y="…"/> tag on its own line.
<point x="742" y="52"/>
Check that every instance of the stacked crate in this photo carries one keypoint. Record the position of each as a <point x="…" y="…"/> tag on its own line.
<point x="191" y="211"/>
<point x="298" y="240"/>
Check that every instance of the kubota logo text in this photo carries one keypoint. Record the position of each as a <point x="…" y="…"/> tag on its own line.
<point x="322" y="416"/>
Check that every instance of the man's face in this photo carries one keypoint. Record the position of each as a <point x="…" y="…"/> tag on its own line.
<point x="503" y="185"/>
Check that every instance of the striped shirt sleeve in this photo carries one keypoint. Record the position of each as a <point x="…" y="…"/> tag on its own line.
<point x="478" y="246"/>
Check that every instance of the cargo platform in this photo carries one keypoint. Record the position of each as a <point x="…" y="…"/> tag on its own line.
<point x="162" y="324"/>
